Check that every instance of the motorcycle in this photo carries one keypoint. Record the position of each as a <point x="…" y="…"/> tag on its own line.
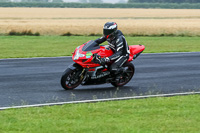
<point x="88" y="71"/>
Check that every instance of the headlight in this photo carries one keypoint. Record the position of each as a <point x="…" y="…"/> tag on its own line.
<point x="78" y="55"/>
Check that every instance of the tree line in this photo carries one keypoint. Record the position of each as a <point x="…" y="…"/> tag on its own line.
<point x="163" y="1"/>
<point x="120" y="1"/>
<point x="80" y="1"/>
<point x="31" y="1"/>
<point x="102" y="5"/>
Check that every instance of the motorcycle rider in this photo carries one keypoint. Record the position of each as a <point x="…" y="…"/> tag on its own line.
<point x="117" y="43"/>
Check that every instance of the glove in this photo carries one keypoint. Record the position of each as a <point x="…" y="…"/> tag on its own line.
<point x="99" y="60"/>
<point x="104" y="60"/>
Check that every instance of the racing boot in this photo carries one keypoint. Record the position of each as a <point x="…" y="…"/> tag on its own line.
<point x="118" y="74"/>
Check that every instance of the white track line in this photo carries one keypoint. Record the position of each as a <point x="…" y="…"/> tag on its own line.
<point x="100" y="100"/>
<point x="36" y="58"/>
<point x="71" y="56"/>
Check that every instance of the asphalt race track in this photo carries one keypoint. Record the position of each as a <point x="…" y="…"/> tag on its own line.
<point x="37" y="80"/>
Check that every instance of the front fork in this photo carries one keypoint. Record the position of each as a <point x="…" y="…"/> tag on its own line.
<point x="82" y="75"/>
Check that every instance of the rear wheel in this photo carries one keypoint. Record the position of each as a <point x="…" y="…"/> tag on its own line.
<point x="126" y="76"/>
<point x="71" y="79"/>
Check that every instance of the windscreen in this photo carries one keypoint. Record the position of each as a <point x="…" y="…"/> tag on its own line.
<point x="91" y="45"/>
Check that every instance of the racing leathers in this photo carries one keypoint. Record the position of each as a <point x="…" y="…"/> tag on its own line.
<point x="120" y="48"/>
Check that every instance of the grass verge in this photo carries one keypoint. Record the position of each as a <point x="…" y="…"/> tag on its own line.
<point x="164" y="114"/>
<point x="53" y="46"/>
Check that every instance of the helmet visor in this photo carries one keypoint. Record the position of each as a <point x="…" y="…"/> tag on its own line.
<point x="108" y="31"/>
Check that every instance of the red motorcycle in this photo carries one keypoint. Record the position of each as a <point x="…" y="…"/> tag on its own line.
<point x="87" y="71"/>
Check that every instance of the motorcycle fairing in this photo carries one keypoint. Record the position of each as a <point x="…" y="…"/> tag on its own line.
<point x="83" y="55"/>
<point x="84" y="58"/>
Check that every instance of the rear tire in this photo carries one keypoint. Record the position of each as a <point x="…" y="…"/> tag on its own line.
<point x="70" y="79"/>
<point x="126" y="76"/>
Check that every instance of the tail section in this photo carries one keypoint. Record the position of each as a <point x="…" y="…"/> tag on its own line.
<point x="135" y="51"/>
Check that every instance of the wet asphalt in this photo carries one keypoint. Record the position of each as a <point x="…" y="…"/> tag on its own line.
<point x="37" y="80"/>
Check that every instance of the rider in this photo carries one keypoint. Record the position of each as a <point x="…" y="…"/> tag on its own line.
<point x="117" y="43"/>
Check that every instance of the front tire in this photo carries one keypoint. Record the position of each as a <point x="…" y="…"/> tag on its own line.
<point x="126" y="76"/>
<point x="71" y="79"/>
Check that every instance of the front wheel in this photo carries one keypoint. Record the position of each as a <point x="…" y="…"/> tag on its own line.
<point x="126" y="76"/>
<point x="71" y="79"/>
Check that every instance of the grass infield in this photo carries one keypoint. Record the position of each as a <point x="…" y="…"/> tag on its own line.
<point x="54" y="46"/>
<point x="162" y="114"/>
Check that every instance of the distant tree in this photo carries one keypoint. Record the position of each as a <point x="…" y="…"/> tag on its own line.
<point x="83" y="1"/>
<point x="95" y="1"/>
<point x="164" y="1"/>
<point x="4" y="0"/>
<point x="57" y="1"/>
<point x="34" y="0"/>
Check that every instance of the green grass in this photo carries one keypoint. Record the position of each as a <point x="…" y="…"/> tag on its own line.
<point x="53" y="46"/>
<point x="164" y="114"/>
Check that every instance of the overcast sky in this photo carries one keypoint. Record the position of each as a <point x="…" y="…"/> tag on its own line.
<point x="106" y="1"/>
